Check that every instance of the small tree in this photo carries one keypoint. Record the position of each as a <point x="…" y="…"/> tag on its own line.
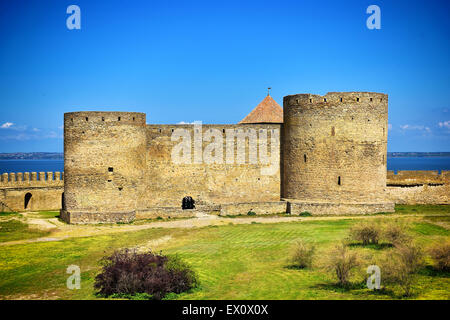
<point x="342" y="262"/>
<point x="366" y="232"/>
<point x="127" y="272"/>
<point x="302" y="254"/>
<point x="401" y="265"/>
<point x="440" y="253"/>
<point x="395" y="233"/>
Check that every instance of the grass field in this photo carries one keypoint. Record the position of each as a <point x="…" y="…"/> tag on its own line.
<point x="233" y="261"/>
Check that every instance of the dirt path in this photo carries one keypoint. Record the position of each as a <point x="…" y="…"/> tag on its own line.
<point x="61" y="231"/>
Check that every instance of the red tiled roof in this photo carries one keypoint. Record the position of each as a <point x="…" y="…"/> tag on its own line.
<point x="268" y="111"/>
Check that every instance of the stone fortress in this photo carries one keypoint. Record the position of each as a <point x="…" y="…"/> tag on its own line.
<point x="330" y="153"/>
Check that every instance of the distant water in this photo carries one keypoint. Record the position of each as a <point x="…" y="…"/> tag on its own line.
<point x="418" y="163"/>
<point x="31" y="165"/>
<point x="404" y="163"/>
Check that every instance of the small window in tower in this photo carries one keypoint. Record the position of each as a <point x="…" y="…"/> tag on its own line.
<point x="333" y="132"/>
<point x="159" y="130"/>
<point x="357" y="99"/>
<point x="371" y="99"/>
<point x="110" y="169"/>
<point x="340" y="99"/>
<point x="223" y="130"/>
<point x="324" y="99"/>
<point x="133" y="118"/>
<point x="118" y="118"/>
<point x="87" y="119"/>
<point x="172" y="130"/>
<point x="304" y="157"/>
<point x="339" y="180"/>
<point x="310" y="100"/>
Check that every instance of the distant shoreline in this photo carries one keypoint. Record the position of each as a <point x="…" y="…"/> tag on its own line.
<point x="32" y="156"/>
<point x="417" y="154"/>
<point x="60" y="155"/>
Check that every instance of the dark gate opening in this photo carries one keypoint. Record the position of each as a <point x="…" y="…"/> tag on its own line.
<point x="27" y="200"/>
<point x="188" y="203"/>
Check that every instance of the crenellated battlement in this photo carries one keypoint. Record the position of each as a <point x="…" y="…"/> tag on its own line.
<point x="336" y="98"/>
<point x="96" y="118"/>
<point x="32" y="179"/>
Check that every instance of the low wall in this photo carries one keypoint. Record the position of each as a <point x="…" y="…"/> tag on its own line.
<point x="425" y="194"/>
<point x="296" y="207"/>
<point x="175" y="212"/>
<point x="97" y="217"/>
<point x="418" y="187"/>
<point x="408" y="177"/>
<point x="234" y="209"/>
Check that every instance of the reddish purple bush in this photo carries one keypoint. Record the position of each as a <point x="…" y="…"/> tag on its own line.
<point x="127" y="272"/>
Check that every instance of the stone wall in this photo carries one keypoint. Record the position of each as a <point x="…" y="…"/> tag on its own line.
<point x="31" y="191"/>
<point x="230" y="180"/>
<point x="104" y="164"/>
<point x="329" y="157"/>
<point x="260" y="208"/>
<point x="419" y="187"/>
<point x="334" y="147"/>
<point x="296" y="207"/>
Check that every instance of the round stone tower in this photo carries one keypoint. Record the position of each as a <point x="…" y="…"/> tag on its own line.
<point x="104" y="166"/>
<point x="334" y="152"/>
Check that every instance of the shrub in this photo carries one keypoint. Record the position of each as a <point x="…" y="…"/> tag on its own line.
<point x="128" y="273"/>
<point x="395" y="233"/>
<point x="305" y="214"/>
<point x="401" y="265"/>
<point x="366" y="232"/>
<point x="342" y="262"/>
<point x="302" y="254"/>
<point x="440" y="253"/>
<point x="251" y="213"/>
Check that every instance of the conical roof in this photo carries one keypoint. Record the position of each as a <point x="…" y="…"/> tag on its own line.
<point x="268" y="111"/>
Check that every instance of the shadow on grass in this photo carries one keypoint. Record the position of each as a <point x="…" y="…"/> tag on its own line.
<point x="375" y="246"/>
<point x="431" y="271"/>
<point x="295" y="267"/>
<point x="336" y="287"/>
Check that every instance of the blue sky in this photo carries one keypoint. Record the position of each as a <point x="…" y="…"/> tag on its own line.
<point x="213" y="60"/>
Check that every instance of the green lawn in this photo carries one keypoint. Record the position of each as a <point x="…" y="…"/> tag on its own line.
<point x="233" y="261"/>
<point x="11" y="230"/>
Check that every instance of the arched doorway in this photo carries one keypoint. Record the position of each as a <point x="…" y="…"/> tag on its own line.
<point x="188" y="203"/>
<point x="27" y="200"/>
